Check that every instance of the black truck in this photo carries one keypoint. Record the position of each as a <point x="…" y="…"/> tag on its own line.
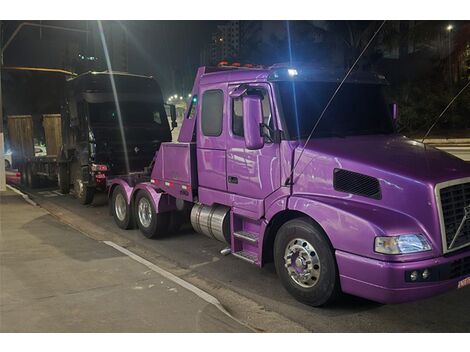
<point x="111" y="124"/>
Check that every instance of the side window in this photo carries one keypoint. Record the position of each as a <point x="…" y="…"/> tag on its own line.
<point x="212" y="112"/>
<point x="237" y="114"/>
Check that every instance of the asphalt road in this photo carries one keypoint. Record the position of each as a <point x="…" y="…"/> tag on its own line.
<point x="255" y="295"/>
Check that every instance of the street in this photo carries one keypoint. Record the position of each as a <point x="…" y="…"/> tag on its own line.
<point x="254" y="296"/>
<point x="55" y="279"/>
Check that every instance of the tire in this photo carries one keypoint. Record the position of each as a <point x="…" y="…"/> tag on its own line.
<point x="32" y="180"/>
<point x="63" y="179"/>
<point x="301" y="241"/>
<point x="121" y="210"/>
<point x="84" y="193"/>
<point x="151" y="224"/>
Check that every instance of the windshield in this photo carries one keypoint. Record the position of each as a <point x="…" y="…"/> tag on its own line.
<point x="357" y="109"/>
<point x="133" y="114"/>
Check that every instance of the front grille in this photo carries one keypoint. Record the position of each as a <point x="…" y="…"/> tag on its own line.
<point x="355" y="183"/>
<point x="454" y="199"/>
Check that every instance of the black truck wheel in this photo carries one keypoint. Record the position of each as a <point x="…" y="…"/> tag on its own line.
<point x="84" y="193"/>
<point x="32" y="180"/>
<point x="151" y="224"/>
<point x="63" y="178"/>
<point x="305" y="262"/>
<point x="120" y="209"/>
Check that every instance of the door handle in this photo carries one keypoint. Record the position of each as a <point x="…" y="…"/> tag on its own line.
<point x="233" y="179"/>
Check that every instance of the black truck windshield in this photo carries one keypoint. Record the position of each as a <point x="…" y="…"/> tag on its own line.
<point x="357" y="109"/>
<point x="134" y="114"/>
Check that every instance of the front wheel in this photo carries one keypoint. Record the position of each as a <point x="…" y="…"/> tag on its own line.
<point x="84" y="193"/>
<point x="151" y="223"/>
<point x="305" y="262"/>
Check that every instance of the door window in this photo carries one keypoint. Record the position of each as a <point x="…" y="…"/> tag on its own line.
<point x="212" y="112"/>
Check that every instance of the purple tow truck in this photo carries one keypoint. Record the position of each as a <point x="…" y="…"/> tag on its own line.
<point x="358" y="209"/>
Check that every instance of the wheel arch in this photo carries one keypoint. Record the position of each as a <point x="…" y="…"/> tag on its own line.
<point x="275" y="224"/>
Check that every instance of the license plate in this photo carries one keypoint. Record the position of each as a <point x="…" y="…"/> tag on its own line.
<point x="464" y="282"/>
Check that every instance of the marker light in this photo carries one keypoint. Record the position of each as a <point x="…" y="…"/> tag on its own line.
<point x="292" y="72"/>
<point x="401" y="244"/>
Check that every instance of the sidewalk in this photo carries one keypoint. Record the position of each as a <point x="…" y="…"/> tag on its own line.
<point x="55" y="279"/>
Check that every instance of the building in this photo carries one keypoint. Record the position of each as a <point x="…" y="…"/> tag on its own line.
<point x="224" y="45"/>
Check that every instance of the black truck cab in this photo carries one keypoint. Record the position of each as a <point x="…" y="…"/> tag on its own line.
<point x="112" y="124"/>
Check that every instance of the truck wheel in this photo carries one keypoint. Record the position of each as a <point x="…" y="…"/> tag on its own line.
<point x="121" y="210"/>
<point x="305" y="263"/>
<point x="32" y="180"/>
<point x="150" y="223"/>
<point x="63" y="179"/>
<point x="84" y="193"/>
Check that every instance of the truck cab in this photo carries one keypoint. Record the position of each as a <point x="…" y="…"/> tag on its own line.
<point x="112" y="124"/>
<point x="342" y="204"/>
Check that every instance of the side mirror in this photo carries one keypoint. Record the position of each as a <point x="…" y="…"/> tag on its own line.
<point x="252" y="119"/>
<point x="394" y="109"/>
<point x="172" y="115"/>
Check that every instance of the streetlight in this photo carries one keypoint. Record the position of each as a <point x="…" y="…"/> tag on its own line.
<point x="449" y="29"/>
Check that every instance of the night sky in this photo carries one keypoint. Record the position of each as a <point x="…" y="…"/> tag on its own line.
<point x="168" y="50"/>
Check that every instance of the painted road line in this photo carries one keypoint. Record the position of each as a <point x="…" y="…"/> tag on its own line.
<point x="25" y="196"/>
<point x="190" y="287"/>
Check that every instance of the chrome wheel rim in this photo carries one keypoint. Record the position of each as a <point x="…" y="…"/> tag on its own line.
<point x="120" y="207"/>
<point x="144" y="211"/>
<point x="302" y="262"/>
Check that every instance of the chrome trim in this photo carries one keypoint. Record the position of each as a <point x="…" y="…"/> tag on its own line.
<point x="437" y="194"/>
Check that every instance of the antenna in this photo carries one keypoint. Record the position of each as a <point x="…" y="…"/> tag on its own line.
<point x="290" y="177"/>
<point x="443" y="111"/>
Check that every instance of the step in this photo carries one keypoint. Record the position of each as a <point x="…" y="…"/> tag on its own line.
<point x="248" y="257"/>
<point x="246" y="236"/>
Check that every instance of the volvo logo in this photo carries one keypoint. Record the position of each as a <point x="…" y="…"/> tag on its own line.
<point x="136" y="150"/>
<point x="466" y="216"/>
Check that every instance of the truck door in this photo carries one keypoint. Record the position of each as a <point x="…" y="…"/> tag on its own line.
<point x="252" y="173"/>
<point x="211" y="143"/>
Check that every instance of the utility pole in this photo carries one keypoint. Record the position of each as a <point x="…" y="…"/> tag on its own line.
<point x="2" y="50"/>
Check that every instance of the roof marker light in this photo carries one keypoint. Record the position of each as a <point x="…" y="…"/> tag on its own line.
<point x="292" y="72"/>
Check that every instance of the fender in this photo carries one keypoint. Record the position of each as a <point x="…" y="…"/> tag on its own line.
<point x="162" y="202"/>
<point x="119" y="182"/>
<point x="352" y="226"/>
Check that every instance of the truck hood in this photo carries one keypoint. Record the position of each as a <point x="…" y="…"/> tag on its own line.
<point x="407" y="173"/>
<point x="393" y="154"/>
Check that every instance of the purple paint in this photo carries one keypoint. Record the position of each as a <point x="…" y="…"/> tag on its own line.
<point x="248" y="174"/>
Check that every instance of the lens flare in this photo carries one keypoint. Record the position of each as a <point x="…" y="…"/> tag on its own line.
<point x="115" y="95"/>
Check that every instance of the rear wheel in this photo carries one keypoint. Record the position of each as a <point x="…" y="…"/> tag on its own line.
<point x="32" y="180"/>
<point x="151" y="223"/>
<point x="63" y="179"/>
<point x="121" y="209"/>
<point x="84" y="193"/>
<point x="305" y="262"/>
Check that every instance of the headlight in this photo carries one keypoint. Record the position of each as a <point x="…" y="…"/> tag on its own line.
<point x="401" y="244"/>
